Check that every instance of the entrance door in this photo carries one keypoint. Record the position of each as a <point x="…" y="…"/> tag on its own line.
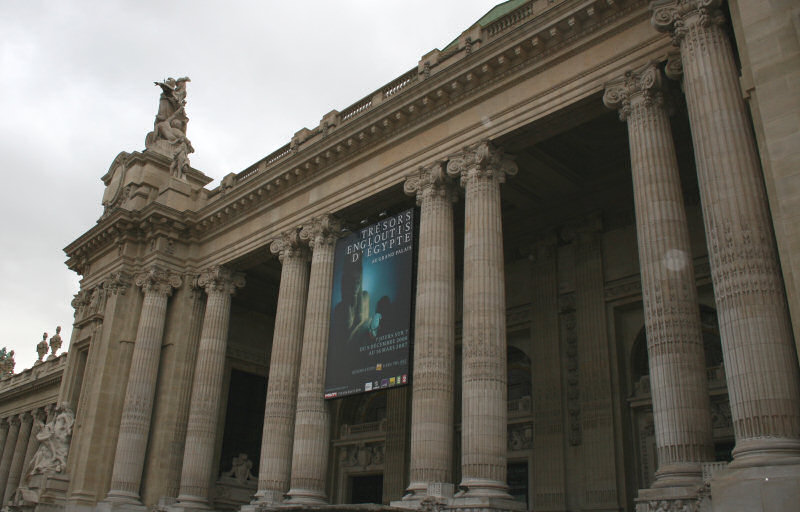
<point x="366" y="489"/>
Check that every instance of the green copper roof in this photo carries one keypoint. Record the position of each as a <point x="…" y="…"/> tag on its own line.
<point x="497" y="12"/>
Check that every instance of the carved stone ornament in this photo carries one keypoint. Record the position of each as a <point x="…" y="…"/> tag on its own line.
<point x="481" y="160"/>
<point x="220" y="279"/>
<point x="643" y="85"/>
<point x="169" y="129"/>
<point x="289" y="244"/>
<point x="54" y="439"/>
<point x="55" y="342"/>
<point x="322" y="230"/>
<point x="41" y="349"/>
<point x="431" y="179"/>
<point x="158" y="281"/>
<point x="676" y="16"/>
<point x="113" y="195"/>
<point x="240" y="470"/>
<point x="7" y="363"/>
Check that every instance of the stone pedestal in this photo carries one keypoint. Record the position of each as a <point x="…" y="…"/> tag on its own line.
<point x="287" y="341"/>
<point x="42" y="493"/>
<point x="481" y="169"/>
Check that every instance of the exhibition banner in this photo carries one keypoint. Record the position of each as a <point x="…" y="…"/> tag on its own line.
<point x="369" y="341"/>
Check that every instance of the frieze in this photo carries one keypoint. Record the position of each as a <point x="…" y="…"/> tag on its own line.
<point x="294" y="164"/>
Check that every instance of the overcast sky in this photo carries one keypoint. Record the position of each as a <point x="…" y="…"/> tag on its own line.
<point x="76" y="88"/>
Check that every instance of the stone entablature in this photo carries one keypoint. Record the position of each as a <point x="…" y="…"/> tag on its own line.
<point x="414" y="99"/>
<point x="40" y="377"/>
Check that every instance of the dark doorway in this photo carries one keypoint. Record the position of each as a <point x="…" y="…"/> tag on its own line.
<point x="518" y="481"/>
<point x="366" y="489"/>
<point x="244" y="419"/>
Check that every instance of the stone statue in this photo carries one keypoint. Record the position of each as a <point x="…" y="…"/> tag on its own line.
<point x="54" y="438"/>
<point x="169" y="129"/>
<point x="6" y="363"/>
<point x="41" y="349"/>
<point x="240" y="469"/>
<point x="55" y="343"/>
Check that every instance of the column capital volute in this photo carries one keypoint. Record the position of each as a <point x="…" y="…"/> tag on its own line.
<point x="544" y="247"/>
<point x="39" y="414"/>
<point x="158" y="281"/>
<point x="4" y="423"/>
<point x="26" y="417"/>
<point x="430" y="179"/>
<point x="481" y="160"/>
<point x="675" y="16"/>
<point x="641" y="86"/>
<point x="220" y="279"/>
<point x="15" y="420"/>
<point x="117" y="282"/>
<point x="289" y="245"/>
<point x="323" y="230"/>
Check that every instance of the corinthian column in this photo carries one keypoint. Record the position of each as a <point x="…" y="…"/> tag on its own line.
<point x="126" y="477"/>
<point x="481" y="169"/>
<point x="220" y="284"/>
<point x="434" y="333"/>
<point x="760" y="360"/>
<point x="312" y="422"/>
<point x="8" y="453"/>
<point x="681" y="409"/>
<point x="15" y="472"/>
<point x="279" y="412"/>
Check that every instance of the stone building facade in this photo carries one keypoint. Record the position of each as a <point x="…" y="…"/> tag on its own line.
<point x="605" y="292"/>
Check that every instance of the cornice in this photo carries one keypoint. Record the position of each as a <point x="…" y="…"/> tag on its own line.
<point x="412" y="100"/>
<point x="44" y="375"/>
<point x="123" y="226"/>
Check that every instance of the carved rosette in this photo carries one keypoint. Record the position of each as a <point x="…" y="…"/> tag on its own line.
<point x="679" y="16"/>
<point x="158" y="281"/>
<point x="643" y="86"/>
<point x="431" y="180"/>
<point x="322" y="230"/>
<point x="220" y="279"/>
<point x="289" y="245"/>
<point x="481" y="161"/>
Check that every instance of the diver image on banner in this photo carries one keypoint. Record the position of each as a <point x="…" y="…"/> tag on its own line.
<point x="371" y="308"/>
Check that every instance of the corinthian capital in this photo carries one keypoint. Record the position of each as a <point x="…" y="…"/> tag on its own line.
<point x="158" y="281"/>
<point x="321" y="231"/>
<point x="428" y="180"/>
<point x="220" y="279"/>
<point x="289" y="245"/>
<point x="641" y="86"/>
<point x="481" y="160"/>
<point x="676" y="16"/>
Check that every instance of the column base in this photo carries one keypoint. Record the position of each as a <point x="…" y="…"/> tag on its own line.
<point x="679" y="475"/>
<point x="305" y="497"/>
<point x="766" y="452"/>
<point x="121" y="501"/>
<point x="669" y="498"/>
<point x="480" y="494"/>
<point x="420" y="495"/>
<point x="756" y="489"/>
<point x="188" y="503"/>
<point x="265" y="500"/>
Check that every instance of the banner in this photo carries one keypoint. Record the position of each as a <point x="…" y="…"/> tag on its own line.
<point x="368" y="345"/>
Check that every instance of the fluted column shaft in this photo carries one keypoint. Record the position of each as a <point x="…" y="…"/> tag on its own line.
<point x="201" y="431"/>
<point x="287" y="341"/>
<point x="760" y="361"/>
<point x="482" y="169"/>
<point x="312" y="422"/>
<point x="434" y="332"/>
<point x="134" y="429"/>
<point x="8" y="454"/>
<point x="15" y="471"/>
<point x="681" y="408"/>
